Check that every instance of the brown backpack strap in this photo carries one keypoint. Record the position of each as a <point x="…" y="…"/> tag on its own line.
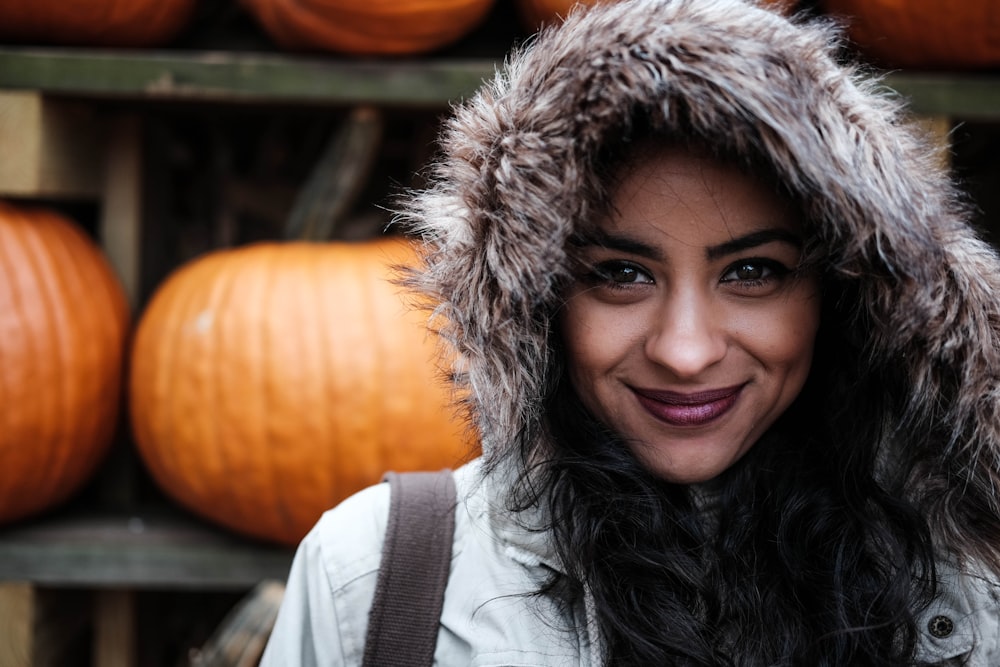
<point x="416" y="560"/>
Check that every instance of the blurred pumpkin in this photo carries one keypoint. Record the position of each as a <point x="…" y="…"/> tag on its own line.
<point x="374" y="27"/>
<point x="536" y="13"/>
<point x="63" y="323"/>
<point x="95" y="22"/>
<point x="271" y="381"/>
<point x="923" y="33"/>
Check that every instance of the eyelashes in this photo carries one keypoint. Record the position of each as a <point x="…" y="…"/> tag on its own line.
<point x="745" y="274"/>
<point x="618" y="273"/>
<point x="754" y="271"/>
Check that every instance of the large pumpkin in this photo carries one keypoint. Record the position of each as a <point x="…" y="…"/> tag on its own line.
<point x="271" y="381"/>
<point x="94" y="22"/>
<point x="923" y="33"/>
<point x="536" y="13"/>
<point x="63" y="323"/>
<point x="371" y="27"/>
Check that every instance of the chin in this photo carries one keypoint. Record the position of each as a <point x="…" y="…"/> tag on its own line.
<point x="684" y="474"/>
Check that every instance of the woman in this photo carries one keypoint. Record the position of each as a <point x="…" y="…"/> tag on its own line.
<point x="732" y="352"/>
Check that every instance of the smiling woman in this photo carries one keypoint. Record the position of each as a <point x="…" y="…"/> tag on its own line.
<point x="731" y="349"/>
<point x="690" y="329"/>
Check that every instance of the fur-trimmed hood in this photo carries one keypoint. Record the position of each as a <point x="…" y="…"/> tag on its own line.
<point x="920" y="293"/>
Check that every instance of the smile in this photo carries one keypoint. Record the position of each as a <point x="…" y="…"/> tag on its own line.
<point x="696" y="409"/>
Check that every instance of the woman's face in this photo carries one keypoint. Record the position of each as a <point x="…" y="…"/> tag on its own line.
<point x="689" y="332"/>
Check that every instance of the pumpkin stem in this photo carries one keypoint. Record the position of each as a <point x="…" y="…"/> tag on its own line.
<point x="338" y="177"/>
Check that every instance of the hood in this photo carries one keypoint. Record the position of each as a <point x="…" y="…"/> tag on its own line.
<point x="516" y="176"/>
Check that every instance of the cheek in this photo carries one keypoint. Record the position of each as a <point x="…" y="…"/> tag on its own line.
<point x="595" y="332"/>
<point x="595" y="340"/>
<point x="579" y="327"/>
<point x="784" y="337"/>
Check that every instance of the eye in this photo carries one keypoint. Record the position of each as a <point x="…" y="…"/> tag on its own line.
<point x="619" y="273"/>
<point x="754" y="271"/>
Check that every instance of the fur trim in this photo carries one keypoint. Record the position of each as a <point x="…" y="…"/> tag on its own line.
<point x="516" y="177"/>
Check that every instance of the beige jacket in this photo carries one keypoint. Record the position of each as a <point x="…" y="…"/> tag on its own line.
<point x="489" y="617"/>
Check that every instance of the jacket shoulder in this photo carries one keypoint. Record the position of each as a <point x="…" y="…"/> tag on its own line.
<point x="324" y="614"/>
<point x="962" y="625"/>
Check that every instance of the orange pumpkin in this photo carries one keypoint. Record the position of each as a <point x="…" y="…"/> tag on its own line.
<point x="94" y="22"/>
<point x="271" y="381"/>
<point x="372" y="27"/>
<point x="63" y="323"/>
<point x="923" y="33"/>
<point x="536" y="13"/>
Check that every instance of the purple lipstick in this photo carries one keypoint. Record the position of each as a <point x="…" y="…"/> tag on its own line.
<point x="695" y="409"/>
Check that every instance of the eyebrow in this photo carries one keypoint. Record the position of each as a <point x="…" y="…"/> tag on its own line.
<point x="752" y="240"/>
<point x="604" y="239"/>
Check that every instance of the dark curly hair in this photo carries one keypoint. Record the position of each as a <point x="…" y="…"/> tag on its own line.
<point x="806" y="552"/>
<point x="798" y="555"/>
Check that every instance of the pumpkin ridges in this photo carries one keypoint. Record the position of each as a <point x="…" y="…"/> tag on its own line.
<point x="161" y="318"/>
<point x="382" y="363"/>
<point x="224" y="283"/>
<point x="919" y="34"/>
<point x="196" y="326"/>
<point x="64" y="301"/>
<point x="326" y="484"/>
<point x="78" y="424"/>
<point x="383" y="316"/>
<point x="103" y="22"/>
<point x="309" y="351"/>
<point x="393" y="29"/>
<point x="248" y="413"/>
<point x="329" y="461"/>
<point x="53" y="403"/>
<point x="171" y="389"/>
<point x="199" y="373"/>
<point x="102" y="299"/>
<point x="360" y="352"/>
<point x="310" y="324"/>
<point x="210" y="317"/>
<point x="337" y="460"/>
<point x="17" y="433"/>
<point x="269" y="344"/>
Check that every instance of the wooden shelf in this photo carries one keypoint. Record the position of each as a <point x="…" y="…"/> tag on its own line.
<point x="165" y="552"/>
<point x="248" y="77"/>
<point x="964" y="96"/>
<point x="239" y="77"/>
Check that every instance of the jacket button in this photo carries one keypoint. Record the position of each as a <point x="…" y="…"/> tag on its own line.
<point x="940" y="626"/>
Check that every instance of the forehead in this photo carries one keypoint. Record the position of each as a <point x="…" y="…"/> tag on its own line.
<point x="688" y="193"/>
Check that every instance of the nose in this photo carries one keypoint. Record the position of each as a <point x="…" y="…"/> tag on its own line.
<point x="687" y="336"/>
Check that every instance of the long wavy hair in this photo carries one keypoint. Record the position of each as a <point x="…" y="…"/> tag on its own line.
<point x="805" y="552"/>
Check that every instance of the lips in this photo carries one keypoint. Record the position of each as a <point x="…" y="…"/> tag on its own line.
<point x="695" y="409"/>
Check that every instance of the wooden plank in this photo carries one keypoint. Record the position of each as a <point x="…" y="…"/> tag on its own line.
<point x="52" y="148"/>
<point x="114" y="629"/>
<point x="41" y="627"/>
<point x="241" y="77"/>
<point x="960" y="96"/>
<point x="17" y="608"/>
<point x="121" y="206"/>
<point x="286" y="79"/>
<point x="131" y="552"/>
